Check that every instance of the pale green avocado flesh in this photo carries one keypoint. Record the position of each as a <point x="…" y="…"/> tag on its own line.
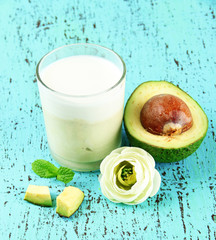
<point x="163" y="148"/>
<point x="69" y="201"/>
<point x="39" y="195"/>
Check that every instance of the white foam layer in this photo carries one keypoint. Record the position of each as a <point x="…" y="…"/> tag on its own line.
<point x="81" y="75"/>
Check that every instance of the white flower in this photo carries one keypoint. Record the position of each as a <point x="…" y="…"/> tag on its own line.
<point x="128" y="175"/>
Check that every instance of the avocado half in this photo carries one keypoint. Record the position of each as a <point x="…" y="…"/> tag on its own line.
<point x="163" y="148"/>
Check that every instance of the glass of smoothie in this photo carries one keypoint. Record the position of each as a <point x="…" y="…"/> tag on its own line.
<point x="82" y="95"/>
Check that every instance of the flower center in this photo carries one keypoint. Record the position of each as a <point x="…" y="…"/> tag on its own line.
<point x="125" y="175"/>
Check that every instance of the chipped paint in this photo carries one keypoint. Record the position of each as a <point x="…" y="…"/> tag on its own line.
<point x="171" y="40"/>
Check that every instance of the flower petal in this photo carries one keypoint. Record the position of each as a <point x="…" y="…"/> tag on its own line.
<point x="156" y="183"/>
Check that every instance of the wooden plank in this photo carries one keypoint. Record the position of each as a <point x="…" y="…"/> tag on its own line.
<point x="172" y="40"/>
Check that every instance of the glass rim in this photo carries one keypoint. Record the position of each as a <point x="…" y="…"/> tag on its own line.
<point x="85" y="95"/>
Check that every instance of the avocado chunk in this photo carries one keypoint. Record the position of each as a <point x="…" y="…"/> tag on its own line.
<point x="69" y="201"/>
<point x="39" y="195"/>
<point x="165" y="121"/>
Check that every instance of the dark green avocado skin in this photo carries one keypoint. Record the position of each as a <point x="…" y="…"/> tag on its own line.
<point x="166" y="155"/>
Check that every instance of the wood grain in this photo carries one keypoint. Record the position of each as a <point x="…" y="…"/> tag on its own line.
<point x="171" y="40"/>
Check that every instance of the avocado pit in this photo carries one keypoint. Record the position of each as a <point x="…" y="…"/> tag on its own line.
<point x="166" y="115"/>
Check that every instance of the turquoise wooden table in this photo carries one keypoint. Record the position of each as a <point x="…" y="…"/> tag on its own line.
<point x="172" y="40"/>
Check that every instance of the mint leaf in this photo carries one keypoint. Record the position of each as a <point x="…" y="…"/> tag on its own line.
<point x="65" y="174"/>
<point x="44" y="168"/>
